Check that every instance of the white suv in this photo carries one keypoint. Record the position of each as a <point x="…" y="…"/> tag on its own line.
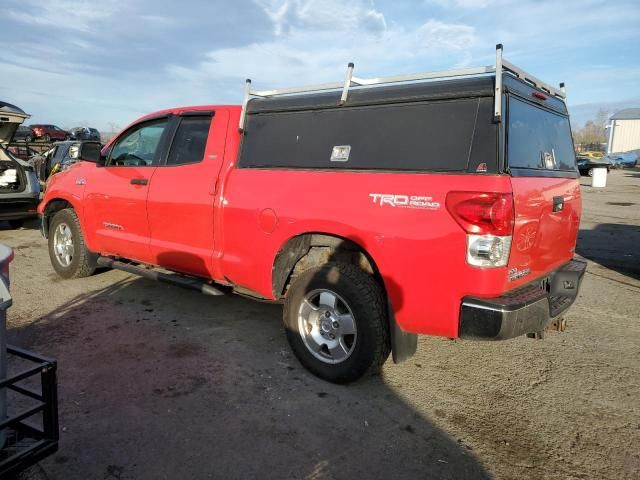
<point x="19" y="186"/>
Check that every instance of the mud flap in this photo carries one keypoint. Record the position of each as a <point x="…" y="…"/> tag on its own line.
<point x="403" y="344"/>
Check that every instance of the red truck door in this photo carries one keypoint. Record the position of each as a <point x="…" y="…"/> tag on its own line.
<point x="116" y="194"/>
<point x="180" y="205"/>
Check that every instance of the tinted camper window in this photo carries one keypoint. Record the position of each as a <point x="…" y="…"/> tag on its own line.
<point x="435" y="136"/>
<point x="538" y="138"/>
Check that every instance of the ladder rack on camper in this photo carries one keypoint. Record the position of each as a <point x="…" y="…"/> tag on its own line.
<point x="502" y="65"/>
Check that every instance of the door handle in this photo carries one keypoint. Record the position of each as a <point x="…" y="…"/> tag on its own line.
<point x="558" y="204"/>
<point x="139" y="181"/>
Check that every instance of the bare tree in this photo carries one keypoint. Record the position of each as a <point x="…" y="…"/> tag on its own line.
<point x="593" y="134"/>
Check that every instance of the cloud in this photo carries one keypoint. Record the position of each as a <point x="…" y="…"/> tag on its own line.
<point x="313" y="41"/>
<point x="462" y="3"/>
<point x="62" y="14"/>
<point x="109" y="61"/>
<point x="318" y="15"/>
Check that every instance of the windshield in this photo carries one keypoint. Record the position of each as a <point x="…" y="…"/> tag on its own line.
<point x="538" y="138"/>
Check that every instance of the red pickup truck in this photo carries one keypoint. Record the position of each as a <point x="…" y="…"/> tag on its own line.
<point x="446" y="207"/>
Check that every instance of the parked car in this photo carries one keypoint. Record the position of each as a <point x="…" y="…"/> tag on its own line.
<point x="587" y="164"/>
<point x="59" y="157"/>
<point x="623" y="160"/>
<point x="374" y="215"/>
<point x="23" y="134"/>
<point x="85" y="133"/>
<point x="23" y="152"/>
<point x="48" y="132"/>
<point x="592" y="154"/>
<point x="19" y="187"/>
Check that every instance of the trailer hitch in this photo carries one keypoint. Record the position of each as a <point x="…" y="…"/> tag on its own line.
<point x="557" y="325"/>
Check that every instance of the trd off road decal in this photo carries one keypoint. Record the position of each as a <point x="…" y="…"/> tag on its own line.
<point x="514" y="274"/>
<point x="404" y="201"/>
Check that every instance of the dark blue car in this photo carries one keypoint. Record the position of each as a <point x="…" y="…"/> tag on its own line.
<point x="587" y="164"/>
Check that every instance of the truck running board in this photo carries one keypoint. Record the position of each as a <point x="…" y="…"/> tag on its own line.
<point x="175" y="279"/>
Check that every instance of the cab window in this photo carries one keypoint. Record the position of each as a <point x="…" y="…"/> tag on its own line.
<point x="189" y="141"/>
<point x="139" y="147"/>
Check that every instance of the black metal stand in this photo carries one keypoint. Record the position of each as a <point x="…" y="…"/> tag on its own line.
<point x="27" y="444"/>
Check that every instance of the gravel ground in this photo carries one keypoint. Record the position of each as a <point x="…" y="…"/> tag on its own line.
<point x="156" y="382"/>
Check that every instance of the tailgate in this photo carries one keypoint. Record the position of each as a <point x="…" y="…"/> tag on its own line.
<point x="547" y="217"/>
<point x="546" y="190"/>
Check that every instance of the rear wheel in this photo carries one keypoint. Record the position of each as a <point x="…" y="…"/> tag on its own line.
<point x="68" y="253"/>
<point x="336" y="322"/>
<point x="590" y="172"/>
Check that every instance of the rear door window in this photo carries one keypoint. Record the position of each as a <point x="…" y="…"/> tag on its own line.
<point x="538" y="138"/>
<point x="189" y="141"/>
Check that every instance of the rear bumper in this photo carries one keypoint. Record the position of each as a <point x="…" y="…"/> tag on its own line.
<point x="525" y="310"/>
<point x="20" y="207"/>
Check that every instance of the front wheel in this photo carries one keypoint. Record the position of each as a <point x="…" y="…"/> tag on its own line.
<point x="68" y="253"/>
<point x="590" y="172"/>
<point x="336" y="322"/>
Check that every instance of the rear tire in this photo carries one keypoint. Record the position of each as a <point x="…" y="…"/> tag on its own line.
<point x="68" y="253"/>
<point x="336" y="322"/>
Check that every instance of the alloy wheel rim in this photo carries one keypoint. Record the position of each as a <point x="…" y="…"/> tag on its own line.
<point x="327" y="326"/>
<point x="63" y="244"/>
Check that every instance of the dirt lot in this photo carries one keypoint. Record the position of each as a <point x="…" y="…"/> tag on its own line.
<point x="161" y="383"/>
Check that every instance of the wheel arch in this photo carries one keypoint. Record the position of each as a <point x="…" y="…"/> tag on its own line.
<point x="311" y="249"/>
<point x="51" y="208"/>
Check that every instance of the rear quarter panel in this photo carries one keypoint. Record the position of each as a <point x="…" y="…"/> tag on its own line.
<point x="420" y="252"/>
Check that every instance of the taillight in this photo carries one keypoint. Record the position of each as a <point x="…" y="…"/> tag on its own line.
<point x="488" y="219"/>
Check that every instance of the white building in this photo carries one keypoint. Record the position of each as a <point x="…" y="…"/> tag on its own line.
<point x="624" y="131"/>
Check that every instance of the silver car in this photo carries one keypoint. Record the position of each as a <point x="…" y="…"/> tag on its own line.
<point x="19" y="186"/>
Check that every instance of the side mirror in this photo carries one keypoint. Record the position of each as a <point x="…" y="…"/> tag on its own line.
<point x="87" y="152"/>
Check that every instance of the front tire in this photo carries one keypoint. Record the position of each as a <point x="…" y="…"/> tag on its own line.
<point x="68" y="253"/>
<point x="590" y="172"/>
<point x="336" y="322"/>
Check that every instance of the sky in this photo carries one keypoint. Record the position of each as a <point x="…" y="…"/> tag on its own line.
<point x="106" y="63"/>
